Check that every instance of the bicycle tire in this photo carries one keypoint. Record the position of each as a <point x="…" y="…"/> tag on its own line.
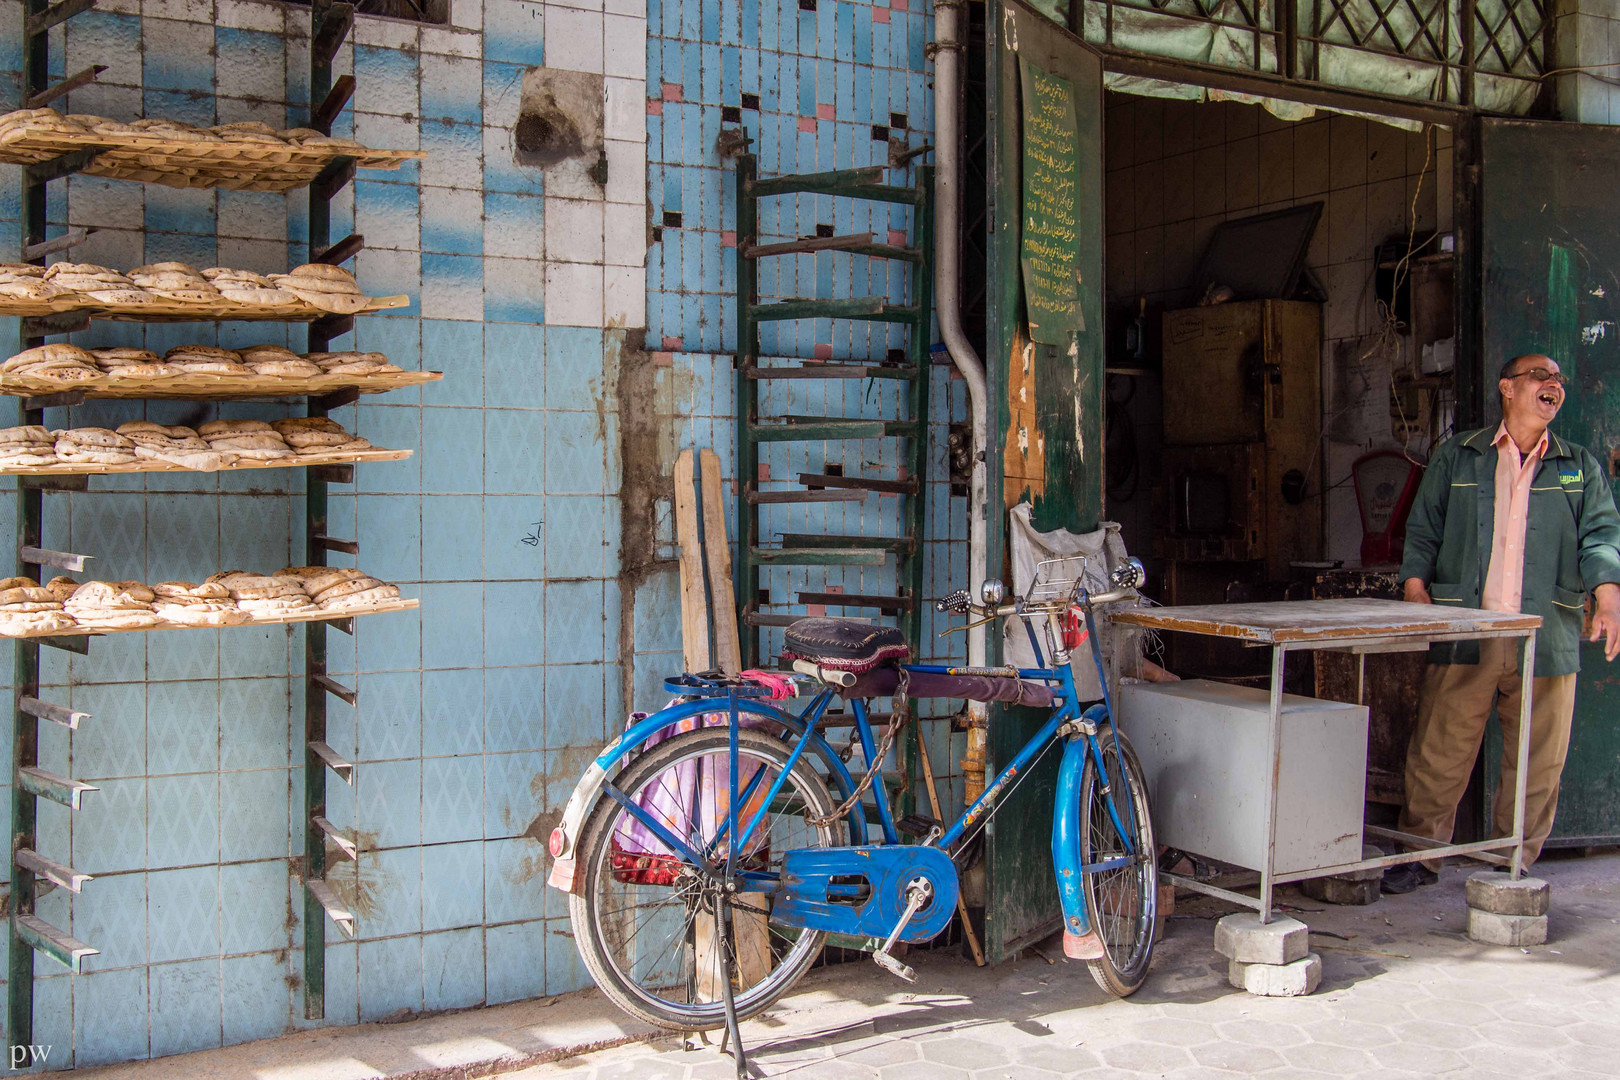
<point x="589" y="905"/>
<point x="1123" y="902"/>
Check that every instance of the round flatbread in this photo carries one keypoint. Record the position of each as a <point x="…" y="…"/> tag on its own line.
<point x="119" y="297"/>
<point x="363" y="598"/>
<point x="48" y="354"/>
<point x="28" y="433"/>
<point x="344" y="588"/>
<point x="207" y="590"/>
<point x="234" y="427"/>
<point x="285" y="369"/>
<point x="94" y="436"/>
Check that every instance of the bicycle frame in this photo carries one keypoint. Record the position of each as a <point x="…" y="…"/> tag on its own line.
<point x="803" y="737"/>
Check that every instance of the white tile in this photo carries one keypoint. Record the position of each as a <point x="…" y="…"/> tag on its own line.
<point x="637" y="8"/>
<point x="119" y="7"/>
<point x="574" y="39"/>
<point x="574" y="230"/>
<point x="573" y="294"/>
<point x="385" y="132"/>
<point x="266" y="15"/>
<point x="625" y="235"/>
<point x="106" y="204"/>
<point x="624" y="46"/>
<point x="386" y="33"/>
<point x="468" y="14"/>
<point x="260" y="256"/>
<point x="503" y="95"/>
<point x="627" y="172"/>
<point x="452" y="42"/>
<point x="624" y="296"/>
<point x="258" y="79"/>
<point x="624" y="111"/>
<point x="582" y="5"/>
<point x="190" y="10"/>
<point x="240" y="110"/>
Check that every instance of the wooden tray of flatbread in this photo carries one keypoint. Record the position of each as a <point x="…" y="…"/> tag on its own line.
<point x="315" y="615"/>
<point x="179" y="311"/>
<point x="201" y="386"/>
<point x="207" y="162"/>
<point x="299" y="461"/>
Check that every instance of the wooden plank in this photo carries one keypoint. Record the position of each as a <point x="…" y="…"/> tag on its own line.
<point x="1303" y="621"/>
<point x="717" y="554"/>
<point x="298" y="461"/>
<point x="695" y="647"/>
<point x="221" y="310"/>
<point x="805" y="244"/>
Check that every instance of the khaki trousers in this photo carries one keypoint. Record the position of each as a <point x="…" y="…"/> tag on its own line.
<point x="1456" y="702"/>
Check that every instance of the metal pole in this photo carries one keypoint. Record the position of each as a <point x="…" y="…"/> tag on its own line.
<point x="1527" y="661"/>
<point x="1279" y="658"/>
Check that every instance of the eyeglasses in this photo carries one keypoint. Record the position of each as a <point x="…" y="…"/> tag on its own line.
<point x="1541" y="374"/>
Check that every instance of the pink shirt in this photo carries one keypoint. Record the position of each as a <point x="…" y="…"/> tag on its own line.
<point x="1504" y="580"/>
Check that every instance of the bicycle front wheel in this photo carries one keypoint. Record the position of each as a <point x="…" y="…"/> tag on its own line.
<point x="645" y="918"/>
<point x="1123" y="900"/>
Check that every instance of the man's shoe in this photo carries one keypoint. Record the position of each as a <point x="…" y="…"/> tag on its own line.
<point x="1407" y="877"/>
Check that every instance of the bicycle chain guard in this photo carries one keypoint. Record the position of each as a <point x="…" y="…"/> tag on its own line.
<point x="861" y="891"/>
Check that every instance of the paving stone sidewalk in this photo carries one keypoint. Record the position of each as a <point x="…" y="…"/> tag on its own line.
<point x="1404" y="994"/>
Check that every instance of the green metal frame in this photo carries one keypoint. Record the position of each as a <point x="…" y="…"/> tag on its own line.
<point x="28" y="782"/>
<point x="916" y="315"/>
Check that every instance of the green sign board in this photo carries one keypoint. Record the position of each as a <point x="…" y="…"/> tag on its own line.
<point x="1051" y="209"/>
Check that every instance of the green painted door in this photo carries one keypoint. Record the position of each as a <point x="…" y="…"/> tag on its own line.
<point x="1045" y="164"/>
<point x="1551" y="252"/>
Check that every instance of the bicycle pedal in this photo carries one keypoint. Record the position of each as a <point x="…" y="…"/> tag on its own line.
<point x="893" y="966"/>
<point x="916" y="825"/>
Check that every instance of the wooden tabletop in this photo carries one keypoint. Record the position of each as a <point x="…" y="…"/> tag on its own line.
<point x="1325" y="620"/>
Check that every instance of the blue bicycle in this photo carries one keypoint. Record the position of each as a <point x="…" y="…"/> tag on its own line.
<point x="712" y="847"/>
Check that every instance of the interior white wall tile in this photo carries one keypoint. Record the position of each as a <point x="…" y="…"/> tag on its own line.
<point x="574" y="39"/>
<point x="450" y="41"/>
<point x="625" y="296"/>
<point x="574" y="230"/>
<point x="190" y="10"/>
<point x="627" y="171"/>
<point x="385" y="33"/>
<point x="573" y="294"/>
<point x="625" y="229"/>
<point x="583" y="5"/>
<point x="468" y="14"/>
<point x="624" y="46"/>
<point x="624" y="114"/>
<point x="626" y="7"/>
<point x="266" y="15"/>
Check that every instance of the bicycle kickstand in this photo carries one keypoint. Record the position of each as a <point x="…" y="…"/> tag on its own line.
<point x="918" y="892"/>
<point x="722" y="933"/>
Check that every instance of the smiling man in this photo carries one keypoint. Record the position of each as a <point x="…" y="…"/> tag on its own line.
<point x="1510" y="519"/>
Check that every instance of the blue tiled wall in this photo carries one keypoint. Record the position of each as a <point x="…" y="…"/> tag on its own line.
<point x="476" y="714"/>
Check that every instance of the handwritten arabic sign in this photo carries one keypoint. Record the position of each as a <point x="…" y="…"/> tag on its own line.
<point x="1051" y="218"/>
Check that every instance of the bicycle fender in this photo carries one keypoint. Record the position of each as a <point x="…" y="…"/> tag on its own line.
<point x="565" y="836"/>
<point x="1066" y="841"/>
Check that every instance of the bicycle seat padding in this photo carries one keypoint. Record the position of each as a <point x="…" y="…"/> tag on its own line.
<point x="844" y="644"/>
<point x="883" y="681"/>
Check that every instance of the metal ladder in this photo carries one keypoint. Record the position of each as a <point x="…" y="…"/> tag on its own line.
<point x="761" y="582"/>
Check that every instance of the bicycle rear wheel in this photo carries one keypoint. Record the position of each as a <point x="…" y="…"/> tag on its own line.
<point x="644" y="917"/>
<point x="1123" y="900"/>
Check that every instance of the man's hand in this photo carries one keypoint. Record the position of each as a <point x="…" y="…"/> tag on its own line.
<point x="1418" y="593"/>
<point x="1606" y="618"/>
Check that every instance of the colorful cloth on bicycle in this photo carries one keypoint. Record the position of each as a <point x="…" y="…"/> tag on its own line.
<point x="692" y="801"/>
<point x="881" y="682"/>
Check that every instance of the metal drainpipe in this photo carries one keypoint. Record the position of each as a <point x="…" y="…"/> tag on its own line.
<point x="947" y="300"/>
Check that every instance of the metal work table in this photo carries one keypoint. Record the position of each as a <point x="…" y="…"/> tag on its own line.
<point x="1357" y="627"/>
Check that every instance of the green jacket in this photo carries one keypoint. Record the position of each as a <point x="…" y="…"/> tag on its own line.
<point x="1572" y="541"/>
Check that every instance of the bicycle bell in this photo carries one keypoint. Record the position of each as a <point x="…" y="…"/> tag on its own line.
<point x="1129" y="575"/>
<point x="991" y="592"/>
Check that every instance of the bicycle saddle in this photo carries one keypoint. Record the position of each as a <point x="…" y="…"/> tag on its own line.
<point x="844" y="644"/>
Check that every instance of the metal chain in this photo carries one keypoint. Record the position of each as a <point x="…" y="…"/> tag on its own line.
<point x="902" y="712"/>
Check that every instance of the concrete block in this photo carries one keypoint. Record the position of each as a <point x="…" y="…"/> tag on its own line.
<point x="1277" y="980"/>
<point x="1244" y="938"/>
<point x="1489" y="928"/>
<point x="1501" y="895"/>
<point x="1348" y="889"/>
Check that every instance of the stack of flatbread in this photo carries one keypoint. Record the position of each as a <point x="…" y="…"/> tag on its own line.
<point x="278" y="362"/>
<point x="337" y="589"/>
<point x="330" y="288"/>
<point x="245" y="438"/>
<point x="62" y="587"/>
<point x="27" y="445"/>
<point x="190" y="604"/>
<point x="97" y="282"/>
<point x="132" y="363"/>
<point x="27" y="607"/>
<point x="177" y="445"/>
<point x="246" y="287"/>
<point x="174" y="281"/>
<point x="15" y="125"/>
<point x="317" y="435"/>
<point x="25" y="281"/>
<point x="93" y="445"/>
<point x="206" y="360"/>
<point x="351" y="363"/>
<point x="112" y="605"/>
<point x="262" y="595"/>
<point x="56" y="363"/>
